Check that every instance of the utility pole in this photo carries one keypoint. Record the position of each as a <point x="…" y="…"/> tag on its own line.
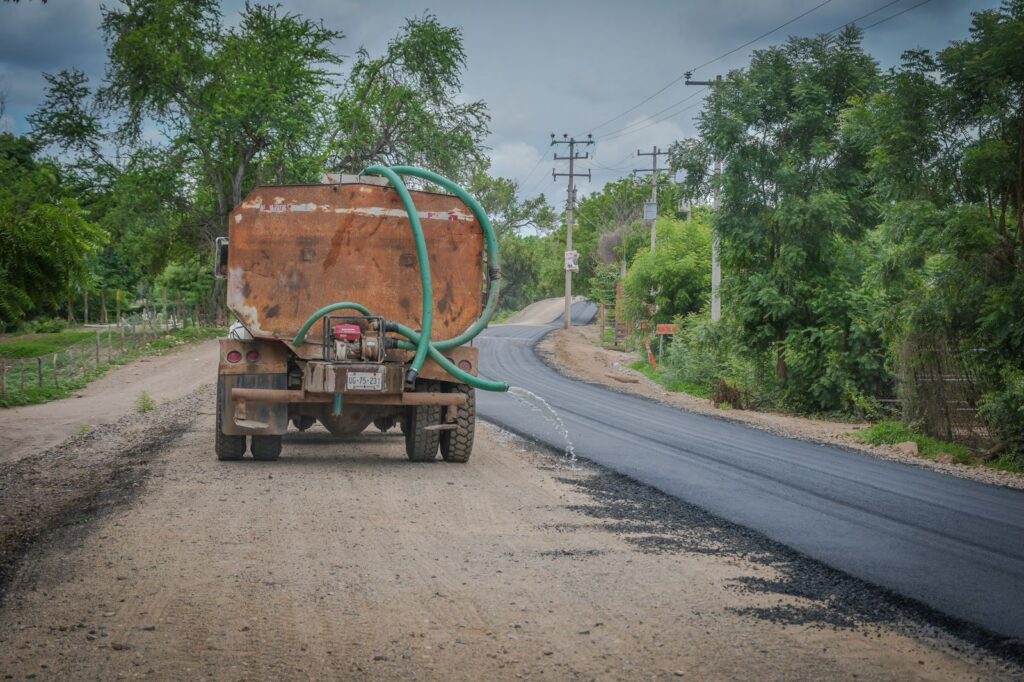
<point x="569" y="204"/>
<point x="716" y="264"/>
<point x="653" y="170"/>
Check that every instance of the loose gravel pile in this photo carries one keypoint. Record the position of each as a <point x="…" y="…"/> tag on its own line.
<point x="76" y="480"/>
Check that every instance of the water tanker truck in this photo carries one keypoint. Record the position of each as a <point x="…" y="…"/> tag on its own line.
<point x="357" y="301"/>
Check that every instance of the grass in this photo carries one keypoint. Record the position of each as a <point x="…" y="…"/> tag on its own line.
<point x="144" y="403"/>
<point x="502" y="315"/>
<point x="892" y="432"/>
<point x="74" y="379"/>
<point x="644" y="367"/>
<point x="33" y="345"/>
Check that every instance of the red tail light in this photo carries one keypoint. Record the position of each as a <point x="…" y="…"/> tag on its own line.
<point x="252" y="356"/>
<point x="234" y="356"/>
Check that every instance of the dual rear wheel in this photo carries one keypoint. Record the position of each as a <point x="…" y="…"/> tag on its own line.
<point x="455" y="441"/>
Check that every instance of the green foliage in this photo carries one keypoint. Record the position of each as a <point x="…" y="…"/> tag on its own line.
<point x="703" y="354"/>
<point x="144" y="403"/>
<point x="41" y="342"/>
<point x="403" y="107"/>
<point x="195" y="110"/>
<point x="891" y="432"/>
<point x="676" y="279"/>
<point x="188" y="280"/>
<point x="665" y="379"/>
<point x="44" y="326"/>
<point x="46" y="241"/>
<point x="509" y="214"/>
<point x="528" y="264"/>
<point x="1004" y="411"/>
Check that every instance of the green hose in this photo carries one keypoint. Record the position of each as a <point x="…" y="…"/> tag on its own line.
<point x="420" y="341"/>
<point x="492" y="256"/>
<point x="424" y="262"/>
<point x="447" y="364"/>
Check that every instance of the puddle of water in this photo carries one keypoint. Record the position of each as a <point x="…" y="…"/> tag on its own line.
<point x="538" y="404"/>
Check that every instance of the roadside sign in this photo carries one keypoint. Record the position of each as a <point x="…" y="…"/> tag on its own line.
<point x="572" y="261"/>
<point x="666" y="329"/>
<point x="650" y="211"/>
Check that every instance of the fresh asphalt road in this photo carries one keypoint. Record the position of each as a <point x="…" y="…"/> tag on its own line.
<point x="950" y="543"/>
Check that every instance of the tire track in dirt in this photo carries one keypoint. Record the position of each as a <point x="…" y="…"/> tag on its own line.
<point x="344" y="560"/>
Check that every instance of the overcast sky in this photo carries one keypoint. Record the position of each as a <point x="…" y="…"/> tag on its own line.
<point x="541" y="66"/>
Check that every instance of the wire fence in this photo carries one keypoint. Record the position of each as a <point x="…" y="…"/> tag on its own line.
<point x="43" y="377"/>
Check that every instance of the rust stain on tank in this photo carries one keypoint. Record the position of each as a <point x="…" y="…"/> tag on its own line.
<point x="357" y="246"/>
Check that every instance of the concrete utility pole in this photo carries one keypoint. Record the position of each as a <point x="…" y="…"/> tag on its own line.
<point x="653" y="170"/>
<point x="569" y="204"/>
<point x="716" y="265"/>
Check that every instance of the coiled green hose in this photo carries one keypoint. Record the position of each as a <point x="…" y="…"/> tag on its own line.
<point x="420" y="341"/>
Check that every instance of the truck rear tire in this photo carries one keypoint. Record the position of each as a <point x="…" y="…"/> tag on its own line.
<point x="228" y="448"/>
<point x="420" y="444"/>
<point x="266" y="448"/>
<point x="457" y="443"/>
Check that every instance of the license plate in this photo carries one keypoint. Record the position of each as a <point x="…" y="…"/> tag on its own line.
<point x="364" y="381"/>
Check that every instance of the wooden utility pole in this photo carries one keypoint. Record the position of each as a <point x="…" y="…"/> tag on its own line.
<point x="569" y="204"/>
<point x="716" y="265"/>
<point x="653" y="170"/>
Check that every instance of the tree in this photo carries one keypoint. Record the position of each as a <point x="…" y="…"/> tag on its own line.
<point x="46" y="241"/>
<point x="404" y="108"/>
<point x="509" y="214"/>
<point x="945" y="143"/>
<point x="794" y="205"/>
<point x="229" y="98"/>
<point x="676" y="278"/>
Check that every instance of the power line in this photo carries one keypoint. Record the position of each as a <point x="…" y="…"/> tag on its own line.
<point x="535" y="166"/>
<point x="630" y="130"/>
<point x="615" y="133"/>
<point x="612" y="168"/>
<point x="923" y="2"/>
<point x="721" y="56"/>
<point x="863" y="16"/>
<point x="763" y="35"/>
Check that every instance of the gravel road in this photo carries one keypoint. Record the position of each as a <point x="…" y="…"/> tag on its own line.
<point x="953" y="545"/>
<point x="343" y="560"/>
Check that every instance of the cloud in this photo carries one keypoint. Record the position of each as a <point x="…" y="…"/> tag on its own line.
<point x="514" y="160"/>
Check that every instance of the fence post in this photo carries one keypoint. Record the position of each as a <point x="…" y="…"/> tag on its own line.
<point x="21" y="378"/>
<point x="3" y="381"/>
<point x="56" y="377"/>
<point x="97" y="349"/>
<point x="39" y="371"/>
<point x="121" y="327"/>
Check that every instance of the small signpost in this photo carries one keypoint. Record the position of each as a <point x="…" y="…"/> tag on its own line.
<point x="572" y="261"/>
<point x="663" y="330"/>
<point x="650" y="211"/>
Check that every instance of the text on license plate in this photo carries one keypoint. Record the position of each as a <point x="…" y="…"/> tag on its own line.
<point x="364" y="381"/>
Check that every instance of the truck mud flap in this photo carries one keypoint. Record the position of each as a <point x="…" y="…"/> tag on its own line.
<point x="252" y="417"/>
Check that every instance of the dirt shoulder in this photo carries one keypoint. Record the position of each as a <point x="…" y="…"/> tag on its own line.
<point x="575" y="353"/>
<point x="344" y="560"/>
<point x="36" y="428"/>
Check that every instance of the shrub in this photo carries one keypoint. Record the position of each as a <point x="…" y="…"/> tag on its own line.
<point x="1004" y="412"/>
<point x="144" y="403"/>
<point x="51" y="326"/>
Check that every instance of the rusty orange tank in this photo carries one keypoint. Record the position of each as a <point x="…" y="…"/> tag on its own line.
<point x="291" y="251"/>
